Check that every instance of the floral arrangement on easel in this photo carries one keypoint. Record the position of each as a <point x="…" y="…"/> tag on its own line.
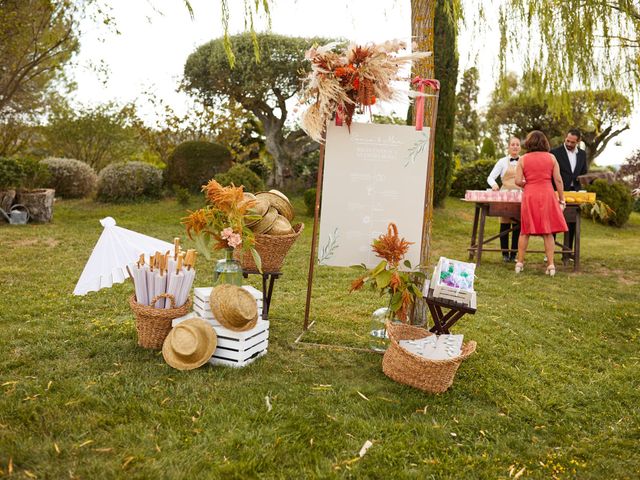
<point x="387" y="278"/>
<point x="342" y="81"/>
<point x="223" y="220"/>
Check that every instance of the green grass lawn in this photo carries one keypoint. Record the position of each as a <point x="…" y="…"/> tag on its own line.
<point x="553" y="390"/>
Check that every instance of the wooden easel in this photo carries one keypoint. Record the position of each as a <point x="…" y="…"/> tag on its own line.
<point x="428" y="209"/>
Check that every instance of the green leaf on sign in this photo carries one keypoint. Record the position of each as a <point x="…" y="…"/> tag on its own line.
<point x="407" y="263"/>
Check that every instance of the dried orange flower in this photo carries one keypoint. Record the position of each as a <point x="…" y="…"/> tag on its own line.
<point x="195" y="221"/>
<point x="357" y="284"/>
<point x="390" y="246"/>
<point x="225" y="198"/>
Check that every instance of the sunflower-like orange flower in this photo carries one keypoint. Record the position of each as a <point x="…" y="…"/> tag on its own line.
<point x="225" y="198"/>
<point x="196" y="221"/>
<point x="390" y="246"/>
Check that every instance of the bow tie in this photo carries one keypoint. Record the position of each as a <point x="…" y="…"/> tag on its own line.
<point x="514" y="159"/>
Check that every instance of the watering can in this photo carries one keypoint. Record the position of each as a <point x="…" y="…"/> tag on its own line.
<point x="18" y="215"/>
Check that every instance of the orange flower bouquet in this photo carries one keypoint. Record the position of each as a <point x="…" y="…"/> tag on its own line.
<point x="223" y="221"/>
<point x="387" y="278"/>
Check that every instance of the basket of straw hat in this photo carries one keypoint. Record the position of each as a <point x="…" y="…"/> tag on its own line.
<point x="273" y="231"/>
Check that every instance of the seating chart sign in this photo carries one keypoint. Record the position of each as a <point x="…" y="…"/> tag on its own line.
<point x="373" y="175"/>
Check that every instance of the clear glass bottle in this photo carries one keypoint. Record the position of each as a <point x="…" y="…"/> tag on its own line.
<point x="227" y="270"/>
<point x="379" y="339"/>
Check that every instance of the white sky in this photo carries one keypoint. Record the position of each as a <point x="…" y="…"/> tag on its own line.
<point x="157" y="36"/>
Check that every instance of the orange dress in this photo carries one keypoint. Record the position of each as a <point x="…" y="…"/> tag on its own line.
<point x="540" y="211"/>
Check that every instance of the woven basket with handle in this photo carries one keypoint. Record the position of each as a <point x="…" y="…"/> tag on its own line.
<point x="154" y="324"/>
<point x="433" y="376"/>
<point x="272" y="249"/>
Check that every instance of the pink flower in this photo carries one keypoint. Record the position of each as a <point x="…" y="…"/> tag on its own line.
<point x="226" y="233"/>
<point x="234" y="240"/>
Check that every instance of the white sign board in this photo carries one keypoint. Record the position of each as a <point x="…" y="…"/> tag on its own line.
<point x="373" y="175"/>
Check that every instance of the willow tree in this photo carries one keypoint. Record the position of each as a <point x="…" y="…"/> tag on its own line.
<point x="592" y="44"/>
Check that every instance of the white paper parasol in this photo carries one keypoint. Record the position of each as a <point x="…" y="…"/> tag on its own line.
<point x="115" y="248"/>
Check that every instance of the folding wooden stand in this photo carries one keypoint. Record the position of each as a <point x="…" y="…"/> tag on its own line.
<point x="444" y="321"/>
<point x="268" y="279"/>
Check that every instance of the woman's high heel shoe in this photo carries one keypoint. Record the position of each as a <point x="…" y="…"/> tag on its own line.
<point x="519" y="267"/>
<point x="551" y="270"/>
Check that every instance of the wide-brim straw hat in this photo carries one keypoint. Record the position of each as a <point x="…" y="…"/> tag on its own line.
<point x="266" y="222"/>
<point x="190" y="344"/>
<point x="281" y="226"/>
<point x="234" y="307"/>
<point x="258" y="209"/>
<point x="279" y="201"/>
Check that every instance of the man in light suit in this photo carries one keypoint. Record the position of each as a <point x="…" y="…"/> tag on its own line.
<point x="573" y="163"/>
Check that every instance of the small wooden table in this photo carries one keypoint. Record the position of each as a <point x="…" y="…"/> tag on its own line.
<point x="511" y="210"/>
<point x="268" y="279"/>
<point x="444" y="321"/>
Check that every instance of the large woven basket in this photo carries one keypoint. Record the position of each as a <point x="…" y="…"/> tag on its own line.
<point x="154" y="324"/>
<point x="272" y="249"/>
<point x="433" y="376"/>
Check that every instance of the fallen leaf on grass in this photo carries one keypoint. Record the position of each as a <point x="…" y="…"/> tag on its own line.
<point x="30" y="474"/>
<point x="56" y="447"/>
<point x="10" y="466"/>
<point x="84" y="444"/>
<point x="321" y="387"/>
<point x="367" y="445"/>
<point x="453" y="434"/>
<point x="127" y="461"/>
<point x="71" y="402"/>
<point x="332" y="417"/>
<point x="422" y="410"/>
<point x="527" y="398"/>
<point x="268" y="402"/>
<point x="362" y="395"/>
<point x="13" y="382"/>
<point x="49" y="385"/>
<point x="103" y="450"/>
<point x="165" y="401"/>
<point x="390" y="400"/>
<point x="519" y="474"/>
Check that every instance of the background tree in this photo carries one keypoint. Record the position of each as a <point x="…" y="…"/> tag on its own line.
<point x="467" y="127"/>
<point x="572" y="43"/>
<point x="96" y="135"/>
<point x="488" y="149"/>
<point x="37" y="38"/>
<point x="446" y="70"/>
<point x="601" y="116"/>
<point x="262" y="89"/>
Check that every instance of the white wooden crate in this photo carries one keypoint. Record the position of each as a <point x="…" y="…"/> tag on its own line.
<point x="446" y="292"/>
<point x="236" y="349"/>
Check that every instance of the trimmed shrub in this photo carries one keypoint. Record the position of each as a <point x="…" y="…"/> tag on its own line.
<point x="471" y="176"/>
<point x="193" y="164"/>
<point x="36" y="175"/>
<point x="259" y="167"/>
<point x="617" y="196"/>
<point x="71" y="178"/>
<point x="241" y="175"/>
<point x="310" y="200"/>
<point x="125" y="182"/>
<point x="11" y="173"/>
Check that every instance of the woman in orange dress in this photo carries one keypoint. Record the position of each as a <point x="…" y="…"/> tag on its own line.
<point x="541" y="210"/>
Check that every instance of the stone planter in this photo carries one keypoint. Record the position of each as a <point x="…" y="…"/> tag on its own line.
<point x="39" y="202"/>
<point x="6" y="200"/>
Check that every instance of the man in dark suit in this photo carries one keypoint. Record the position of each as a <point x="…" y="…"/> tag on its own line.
<point x="573" y="163"/>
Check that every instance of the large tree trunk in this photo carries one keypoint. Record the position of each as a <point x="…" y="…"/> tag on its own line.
<point x="422" y="31"/>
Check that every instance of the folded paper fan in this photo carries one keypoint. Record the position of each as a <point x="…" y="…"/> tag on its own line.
<point x="115" y="248"/>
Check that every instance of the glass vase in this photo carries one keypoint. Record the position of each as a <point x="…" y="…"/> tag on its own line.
<point x="228" y="270"/>
<point x="378" y="337"/>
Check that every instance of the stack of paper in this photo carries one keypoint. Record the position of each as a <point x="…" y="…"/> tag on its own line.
<point x="435" y="347"/>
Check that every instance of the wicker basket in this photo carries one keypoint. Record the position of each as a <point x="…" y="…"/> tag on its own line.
<point x="433" y="376"/>
<point x="272" y="249"/>
<point x="154" y="324"/>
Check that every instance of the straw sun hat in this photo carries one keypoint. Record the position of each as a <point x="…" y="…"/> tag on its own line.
<point x="266" y="222"/>
<point x="234" y="307"/>
<point x="279" y="201"/>
<point x="189" y="344"/>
